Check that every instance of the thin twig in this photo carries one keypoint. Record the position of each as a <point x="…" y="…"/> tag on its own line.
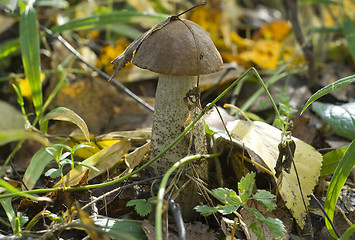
<point x="325" y="214"/>
<point x="291" y="7"/>
<point x="101" y="73"/>
<point x="300" y="188"/>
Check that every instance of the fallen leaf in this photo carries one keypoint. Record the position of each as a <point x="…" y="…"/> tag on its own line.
<point x="65" y="114"/>
<point x="263" y="140"/>
<point x="134" y="158"/>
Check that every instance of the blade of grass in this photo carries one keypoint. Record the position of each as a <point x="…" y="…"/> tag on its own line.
<point x="9" y="47"/>
<point x="349" y="32"/>
<point x="98" y="20"/>
<point x="329" y="88"/>
<point x="29" y="44"/>
<point x="340" y="175"/>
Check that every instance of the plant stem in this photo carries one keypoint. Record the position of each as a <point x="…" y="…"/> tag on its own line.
<point x="161" y="192"/>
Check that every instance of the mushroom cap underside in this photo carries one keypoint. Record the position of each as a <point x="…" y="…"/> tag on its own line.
<point x="180" y="48"/>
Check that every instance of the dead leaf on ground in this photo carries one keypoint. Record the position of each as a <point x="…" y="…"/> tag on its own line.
<point x="263" y="140"/>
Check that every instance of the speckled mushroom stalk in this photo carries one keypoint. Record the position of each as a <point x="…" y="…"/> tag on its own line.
<point x="171" y="112"/>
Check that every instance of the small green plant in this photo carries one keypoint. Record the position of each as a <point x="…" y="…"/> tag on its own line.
<point x="231" y="202"/>
<point x="142" y="206"/>
<point x="56" y="151"/>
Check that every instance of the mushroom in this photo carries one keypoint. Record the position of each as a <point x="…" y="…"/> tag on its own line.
<point x="179" y="50"/>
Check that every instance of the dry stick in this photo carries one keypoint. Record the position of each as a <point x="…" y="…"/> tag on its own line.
<point x="291" y="7"/>
<point x="101" y="73"/>
<point x="325" y="214"/>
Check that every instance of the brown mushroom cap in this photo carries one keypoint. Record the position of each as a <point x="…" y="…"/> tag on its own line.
<point x="179" y="48"/>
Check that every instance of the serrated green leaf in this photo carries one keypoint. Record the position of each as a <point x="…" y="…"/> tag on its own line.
<point x="29" y="44"/>
<point x="256" y="228"/>
<point x="275" y="224"/>
<point x="245" y="186"/>
<point x="340" y="117"/>
<point x="266" y="198"/>
<point x="339" y="177"/>
<point x="331" y="160"/>
<point x="142" y="206"/>
<point x="134" y="202"/>
<point x="143" y="209"/>
<point x="329" y="88"/>
<point x="227" y="196"/>
<point x="205" y="210"/>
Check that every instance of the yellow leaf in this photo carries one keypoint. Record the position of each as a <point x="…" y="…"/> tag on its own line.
<point x="263" y="139"/>
<point x="134" y="158"/>
<point x="25" y="86"/>
<point x="276" y="30"/>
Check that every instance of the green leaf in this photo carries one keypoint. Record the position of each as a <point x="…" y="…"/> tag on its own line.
<point x="6" y="204"/>
<point x="65" y="114"/>
<point x="227" y="196"/>
<point x="331" y="160"/>
<point x="37" y="165"/>
<point x="227" y="209"/>
<point x="340" y="175"/>
<point x="53" y="173"/>
<point x="256" y="228"/>
<point x="29" y="44"/>
<point x="266" y="198"/>
<point x="9" y="47"/>
<point x="99" y="20"/>
<point x="340" y="118"/>
<point x="245" y="186"/>
<point x="88" y="166"/>
<point x="205" y="210"/>
<point x="275" y="224"/>
<point x="349" y="32"/>
<point x="122" y="229"/>
<point x="348" y="233"/>
<point x="142" y="206"/>
<point x="329" y="88"/>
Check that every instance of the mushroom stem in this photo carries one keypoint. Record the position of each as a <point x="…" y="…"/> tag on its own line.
<point x="170" y="116"/>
